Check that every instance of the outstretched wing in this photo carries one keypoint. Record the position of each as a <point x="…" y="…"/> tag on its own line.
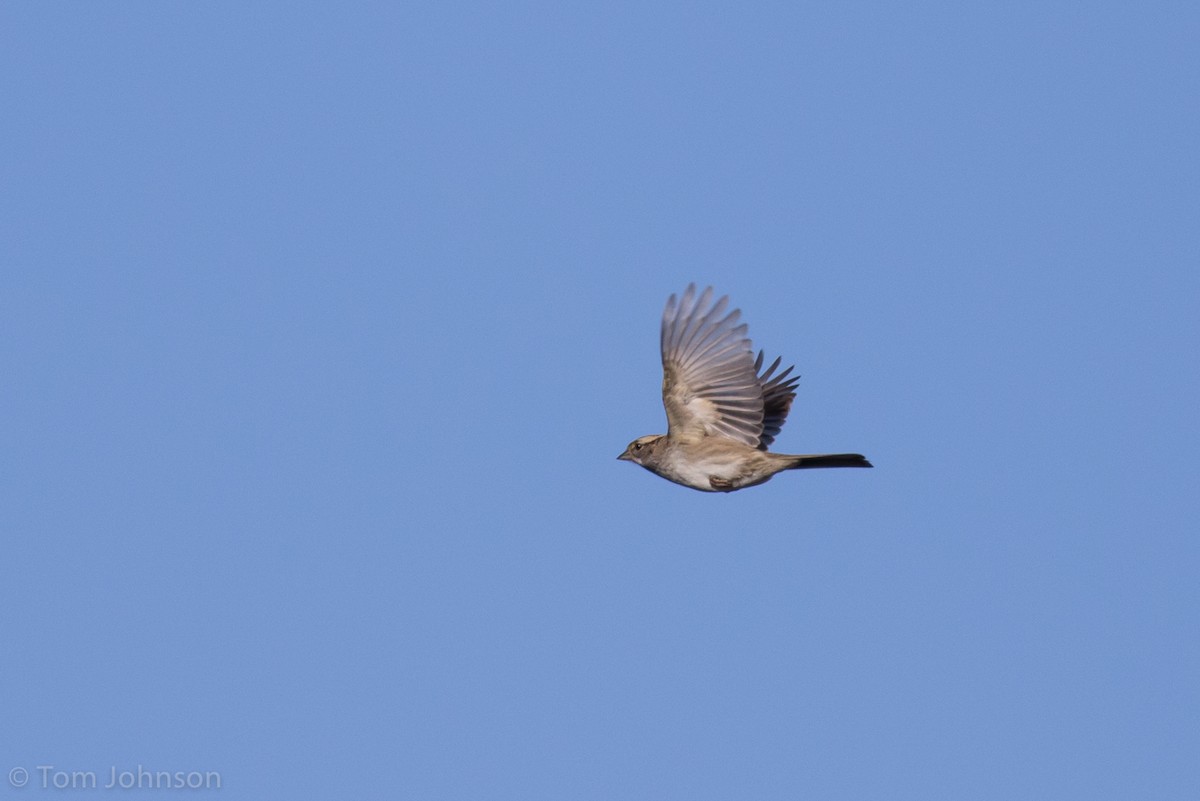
<point x="778" y="391"/>
<point x="710" y="385"/>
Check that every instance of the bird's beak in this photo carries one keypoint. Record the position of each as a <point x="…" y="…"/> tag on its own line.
<point x="625" y="457"/>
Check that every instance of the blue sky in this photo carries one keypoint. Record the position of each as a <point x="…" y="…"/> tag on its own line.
<point x="322" y="327"/>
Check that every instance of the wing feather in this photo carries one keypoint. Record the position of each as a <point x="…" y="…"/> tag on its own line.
<point x="710" y="380"/>
<point x="778" y="391"/>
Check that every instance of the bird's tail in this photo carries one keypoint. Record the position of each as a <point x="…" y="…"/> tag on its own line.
<point x="828" y="460"/>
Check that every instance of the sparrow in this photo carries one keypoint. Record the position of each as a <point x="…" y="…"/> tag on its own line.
<point x="723" y="408"/>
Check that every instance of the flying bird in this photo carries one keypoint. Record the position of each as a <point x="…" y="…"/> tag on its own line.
<point x="723" y="408"/>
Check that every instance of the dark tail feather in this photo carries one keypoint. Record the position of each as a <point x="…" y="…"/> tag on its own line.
<point x="829" y="460"/>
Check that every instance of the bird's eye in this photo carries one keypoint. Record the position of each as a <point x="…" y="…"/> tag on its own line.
<point x="637" y="446"/>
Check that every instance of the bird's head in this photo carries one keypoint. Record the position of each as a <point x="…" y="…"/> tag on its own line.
<point x="642" y="448"/>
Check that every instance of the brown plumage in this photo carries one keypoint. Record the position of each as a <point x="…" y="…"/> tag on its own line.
<point x="723" y="409"/>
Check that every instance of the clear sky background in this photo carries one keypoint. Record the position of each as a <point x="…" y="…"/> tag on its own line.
<point x="321" y="327"/>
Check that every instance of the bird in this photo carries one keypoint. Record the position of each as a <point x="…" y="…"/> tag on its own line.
<point x="723" y="408"/>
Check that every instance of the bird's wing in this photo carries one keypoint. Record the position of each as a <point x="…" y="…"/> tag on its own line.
<point x="710" y="386"/>
<point x="778" y="392"/>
